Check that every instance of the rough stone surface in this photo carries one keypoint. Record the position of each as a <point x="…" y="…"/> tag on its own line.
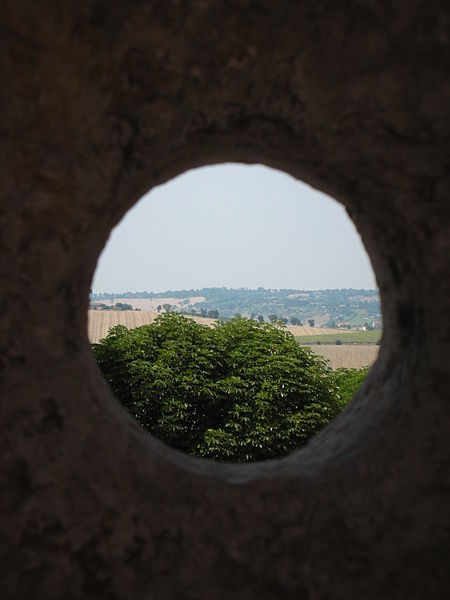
<point x="100" y="101"/>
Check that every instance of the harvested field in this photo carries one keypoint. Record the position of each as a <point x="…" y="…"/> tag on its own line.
<point x="299" y="330"/>
<point x="352" y="356"/>
<point x="101" y="321"/>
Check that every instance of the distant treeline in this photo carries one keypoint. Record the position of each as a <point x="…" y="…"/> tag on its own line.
<point x="116" y="306"/>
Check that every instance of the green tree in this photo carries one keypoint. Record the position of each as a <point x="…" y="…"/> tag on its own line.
<point x="240" y="391"/>
<point x="311" y="322"/>
<point x="348" y="381"/>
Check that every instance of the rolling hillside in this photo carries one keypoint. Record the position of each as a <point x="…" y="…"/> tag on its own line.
<point x="332" y="308"/>
<point x="101" y="321"/>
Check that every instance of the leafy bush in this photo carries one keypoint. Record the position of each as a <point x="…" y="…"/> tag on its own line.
<point x="348" y="381"/>
<point x="241" y="391"/>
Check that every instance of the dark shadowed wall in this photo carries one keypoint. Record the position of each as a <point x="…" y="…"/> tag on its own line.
<point x="100" y="101"/>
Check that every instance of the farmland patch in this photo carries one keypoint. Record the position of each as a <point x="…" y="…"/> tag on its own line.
<point x="348" y="356"/>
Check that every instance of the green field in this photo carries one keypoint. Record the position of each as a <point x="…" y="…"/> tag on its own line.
<point x="346" y="337"/>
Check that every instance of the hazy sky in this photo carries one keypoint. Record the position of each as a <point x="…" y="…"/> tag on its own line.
<point x="235" y="226"/>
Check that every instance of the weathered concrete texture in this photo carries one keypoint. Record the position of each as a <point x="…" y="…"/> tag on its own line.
<point x="100" y="101"/>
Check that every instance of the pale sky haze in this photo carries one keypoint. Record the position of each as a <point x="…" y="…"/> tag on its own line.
<point x="235" y="226"/>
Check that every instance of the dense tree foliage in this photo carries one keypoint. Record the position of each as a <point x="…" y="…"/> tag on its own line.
<point x="241" y="391"/>
<point x="348" y="382"/>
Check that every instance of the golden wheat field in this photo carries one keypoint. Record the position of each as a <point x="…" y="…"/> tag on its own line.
<point x="349" y="356"/>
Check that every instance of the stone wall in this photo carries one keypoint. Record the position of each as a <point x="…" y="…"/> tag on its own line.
<point x="100" y="101"/>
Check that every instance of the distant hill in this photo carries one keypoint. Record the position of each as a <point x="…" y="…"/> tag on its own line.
<point x="330" y="308"/>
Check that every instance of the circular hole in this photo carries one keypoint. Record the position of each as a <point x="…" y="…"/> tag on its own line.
<point x="283" y="269"/>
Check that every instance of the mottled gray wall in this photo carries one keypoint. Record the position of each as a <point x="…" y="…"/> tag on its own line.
<point x="102" y="100"/>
